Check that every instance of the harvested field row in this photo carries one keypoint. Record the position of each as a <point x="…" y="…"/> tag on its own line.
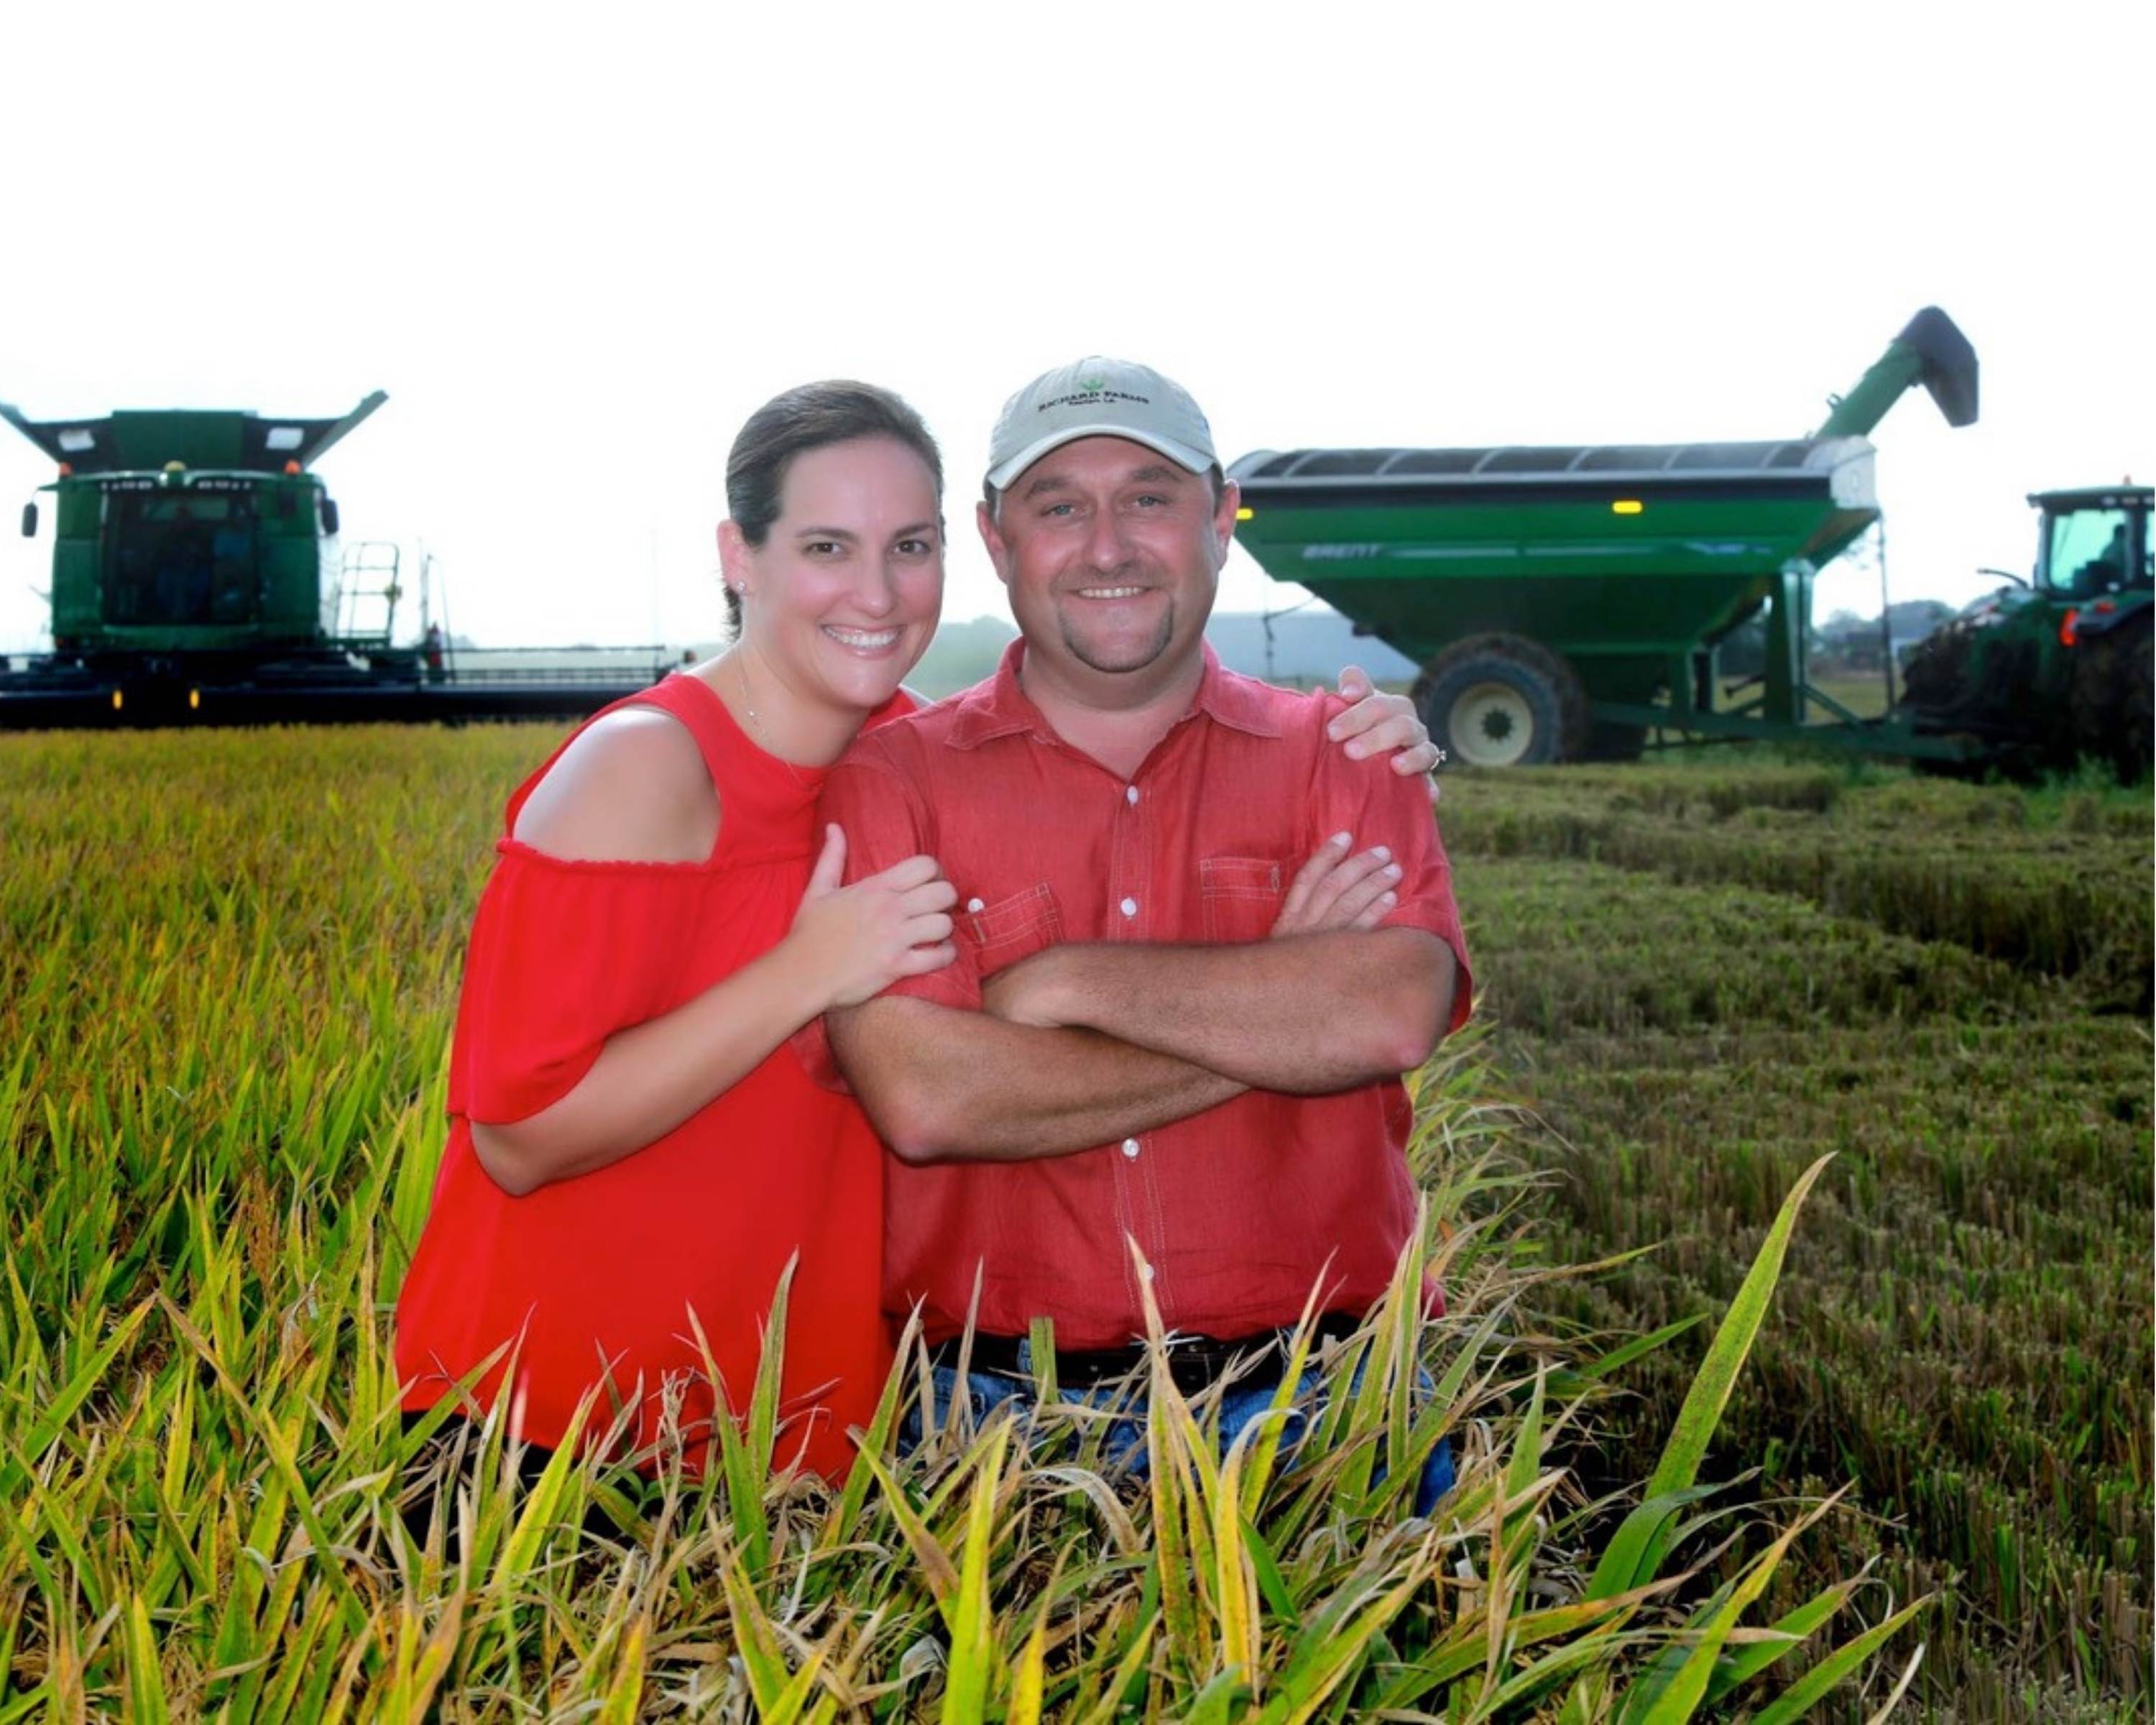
<point x="2043" y="897"/>
<point x="1694" y="957"/>
<point x="1855" y="796"/>
<point x="1966" y="1327"/>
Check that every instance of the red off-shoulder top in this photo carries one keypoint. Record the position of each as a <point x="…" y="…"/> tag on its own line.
<point x="606" y="1279"/>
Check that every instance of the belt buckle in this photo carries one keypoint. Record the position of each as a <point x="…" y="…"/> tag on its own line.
<point x="1209" y="1359"/>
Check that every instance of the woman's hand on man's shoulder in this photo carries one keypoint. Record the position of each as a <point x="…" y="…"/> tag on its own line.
<point x="633" y="787"/>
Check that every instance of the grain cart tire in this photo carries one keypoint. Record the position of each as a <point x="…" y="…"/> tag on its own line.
<point x="1502" y="700"/>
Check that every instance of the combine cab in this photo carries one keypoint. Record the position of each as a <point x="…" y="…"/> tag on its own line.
<point x="196" y="578"/>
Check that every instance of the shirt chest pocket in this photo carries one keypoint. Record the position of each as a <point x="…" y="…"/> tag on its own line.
<point x="1012" y="928"/>
<point x="1241" y="896"/>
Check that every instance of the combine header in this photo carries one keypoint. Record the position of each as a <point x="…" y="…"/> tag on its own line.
<point x="196" y="578"/>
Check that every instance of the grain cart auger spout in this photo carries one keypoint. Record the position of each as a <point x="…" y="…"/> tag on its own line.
<point x="1930" y="351"/>
<point x="197" y="579"/>
<point x="1564" y="601"/>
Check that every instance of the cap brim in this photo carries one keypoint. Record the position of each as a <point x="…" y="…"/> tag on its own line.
<point x="1196" y="461"/>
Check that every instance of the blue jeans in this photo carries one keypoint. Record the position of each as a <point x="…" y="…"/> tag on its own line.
<point x="1241" y="1403"/>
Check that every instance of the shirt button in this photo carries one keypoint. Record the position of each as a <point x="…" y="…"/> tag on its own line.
<point x="1129" y="907"/>
<point x="1131" y="1149"/>
<point x="1148" y="1272"/>
<point x="973" y="904"/>
<point x="1131" y="794"/>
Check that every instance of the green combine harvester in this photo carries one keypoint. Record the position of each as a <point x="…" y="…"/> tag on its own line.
<point x="197" y="579"/>
<point x="1567" y="603"/>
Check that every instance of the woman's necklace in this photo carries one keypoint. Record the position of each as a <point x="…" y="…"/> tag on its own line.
<point x="739" y="660"/>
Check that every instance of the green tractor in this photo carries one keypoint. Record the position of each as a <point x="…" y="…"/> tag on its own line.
<point x="2045" y="670"/>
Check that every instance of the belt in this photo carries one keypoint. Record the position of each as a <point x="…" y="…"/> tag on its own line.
<point x="1194" y="1361"/>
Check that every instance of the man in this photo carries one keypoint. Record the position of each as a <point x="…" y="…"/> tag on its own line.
<point x="1121" y="1051"/>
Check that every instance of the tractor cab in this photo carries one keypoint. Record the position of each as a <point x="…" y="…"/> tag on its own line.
<point x="2058" y="667"/>
<point x="2092" y="543"/>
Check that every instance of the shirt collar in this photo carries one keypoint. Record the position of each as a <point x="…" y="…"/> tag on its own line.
<point x="1239" y="702"/>
<point x="999" y="707"/>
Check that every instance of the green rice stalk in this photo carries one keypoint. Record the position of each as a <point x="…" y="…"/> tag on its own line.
<point x="1235" y="1577"/>
<point x="1788" y="1631"/>
<point x="1126" y="1679"/>
<point x="1257" y="1472"/>
<point x="1718" y="1373"/>
<point x="1279" y="1596"/>
<point x="780" y="1695"/>
<point x="1331" y="1647"/>
<point x="1041" y="1339"/>
<point x="1176" y="1558"/>
<point x="60" y="1406"/>
<point x="338" y="1702"/>
<point x="1687" y="1686"/>
<point x="420" y="1658"/>
<point x="1030" y="1677"/>
<point x="1513" y="1506"/>
<point x="1634" y="1555"/>
<point x="555" y="1497"/>
<point x="625" y="1688"/>
<point x="937" y="1571"/>
<point x="1901" y="1687"/>
<point x="745" y="1454"/>
<point x="973" y="1655"/>
<point x="1637" y="1347"/>
<point x="146" y="1681"/>
<point x="876" y="1439"/>
<point x="1844" y="1661"/>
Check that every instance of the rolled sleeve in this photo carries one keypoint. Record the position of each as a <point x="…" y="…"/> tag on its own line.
<point x="885" y="821"/>
<point x="1381" y="806"/>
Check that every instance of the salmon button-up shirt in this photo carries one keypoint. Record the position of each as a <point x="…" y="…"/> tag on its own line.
<point x="1241" y="1210"/>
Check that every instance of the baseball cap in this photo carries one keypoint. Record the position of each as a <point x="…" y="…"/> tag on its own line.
<point x="1097" y="396"/>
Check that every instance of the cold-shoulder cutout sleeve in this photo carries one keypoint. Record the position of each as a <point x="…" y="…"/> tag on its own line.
<point x="632" y="786"/>
<point x="564" y="955"/>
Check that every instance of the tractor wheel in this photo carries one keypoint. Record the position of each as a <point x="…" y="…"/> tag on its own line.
<point x="2110" y="696"/>
<point x="1502" y="700"/>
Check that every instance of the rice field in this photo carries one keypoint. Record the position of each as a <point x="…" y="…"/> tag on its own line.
<point x="1711" y="973"/>
<point x="227" y="967"/>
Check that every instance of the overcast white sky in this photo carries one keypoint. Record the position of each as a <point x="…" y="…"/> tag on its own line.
<point x="577" y="254"/>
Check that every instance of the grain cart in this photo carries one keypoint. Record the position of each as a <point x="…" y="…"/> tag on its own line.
<point x="196" y="577"/>
<point x="1563" y="601"/>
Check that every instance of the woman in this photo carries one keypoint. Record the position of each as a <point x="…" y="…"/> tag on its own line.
<point x="633" y="1157"/>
